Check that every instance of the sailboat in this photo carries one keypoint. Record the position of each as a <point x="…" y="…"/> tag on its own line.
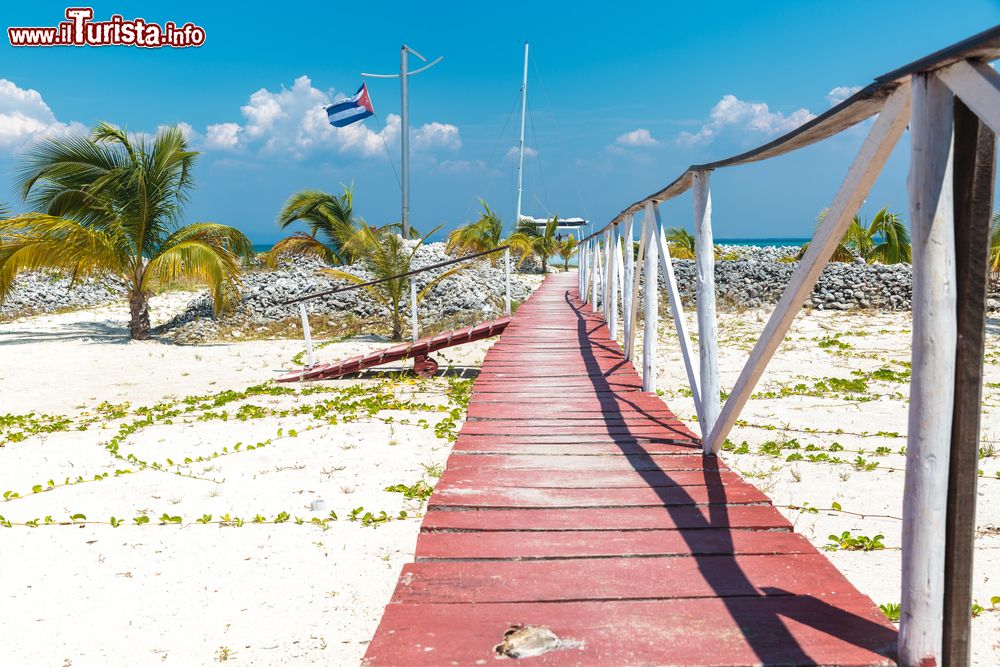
<point x="572" y="226"/>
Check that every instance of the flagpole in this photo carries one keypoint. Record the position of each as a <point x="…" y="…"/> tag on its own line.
<point x="404" y="140"/>
<point x="404" y="88"/>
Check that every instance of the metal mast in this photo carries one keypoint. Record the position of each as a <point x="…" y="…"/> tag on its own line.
<point x="520" y="158"/>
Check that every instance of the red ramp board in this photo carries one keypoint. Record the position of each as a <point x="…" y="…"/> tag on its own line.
<point x="417" y="351"/>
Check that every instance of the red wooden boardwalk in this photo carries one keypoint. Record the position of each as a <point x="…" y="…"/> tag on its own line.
<point x="575" y="502"/>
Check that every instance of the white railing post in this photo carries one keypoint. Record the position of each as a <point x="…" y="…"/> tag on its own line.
<point x="629" y="267"/>
<point x="581" y="262"/>
<point x="506" y="281"/>
<point x="650" y="311"/>
<point x="708" y="347"/>
<point x="932" y="381"/>
<point x="612" y="318"/>
<point x="677" y="310"/>
<point x="413" y="307"/>
<point x="307" y="334"/>
<point x="606" y="265"/>
<point x="595" y="270"/>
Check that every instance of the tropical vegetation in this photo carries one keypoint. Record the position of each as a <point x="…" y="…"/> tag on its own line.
<point x="885" y="239"/>
<point x="112" y="203"/>
<point x="486" y="233"/>
<point x="530" y="241"/>
<point x="384" y="253"/>
<point x="566" y="249"/>
<point x="332" y="226"/>
<point x="680" y="243"/>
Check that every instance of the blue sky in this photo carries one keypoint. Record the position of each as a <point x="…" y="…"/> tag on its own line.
<point x="622" y="97"/>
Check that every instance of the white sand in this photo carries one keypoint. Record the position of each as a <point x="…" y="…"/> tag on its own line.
<point x="875" y="341"/>
<point x="264" y="594"/>
<point x="269" y="594"/>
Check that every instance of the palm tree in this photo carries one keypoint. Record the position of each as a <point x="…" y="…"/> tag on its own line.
<point x="885" y="239"/>
<point x="331" y="227"/>
<point x="995" y="245"/>
<point x="527" y="240"/>
<point x="680" y="243"/>
<point x="384" y="254"/>
<point x="566" y="249"/>
<point x="112" y="203"/>
<point x="484" y="234"/>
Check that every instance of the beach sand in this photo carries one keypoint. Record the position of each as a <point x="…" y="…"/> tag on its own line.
<point x="289" y="594"/>
<point x="194" y="594"/>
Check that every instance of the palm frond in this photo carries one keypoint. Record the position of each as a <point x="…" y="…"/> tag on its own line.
<point x="330" y="217"/>
<point x="202" y="260"/>
<point x="299" y="244"/>
<point x="35" y="241"/>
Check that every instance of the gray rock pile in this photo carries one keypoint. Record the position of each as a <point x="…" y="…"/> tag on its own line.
<point x="750" y="284"/>
<point x="478" y="290"/>
<point x="44" y="292"/>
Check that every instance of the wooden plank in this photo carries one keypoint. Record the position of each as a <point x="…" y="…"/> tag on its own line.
<point x="582" y="462"/>
<point x="575" y="479"/>
<point x="974" y="166"/>
<point x="932" y="384"/>
<point x="862" y="174"/>
<point x="757" y="517"/>
<point x="978" y="86"/>
<point x="593" y="544"/>
<point x="772" y="630"/>
<point x="450" y="582"/>
<point x="666" y="496"/>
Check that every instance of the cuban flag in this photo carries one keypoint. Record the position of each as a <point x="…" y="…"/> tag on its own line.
<point x="355" y="108"/>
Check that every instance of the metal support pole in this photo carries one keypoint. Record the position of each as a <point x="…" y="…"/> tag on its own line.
<point x="932" y="383"/>
<point x="708" y="347"/>
<point x="506" y="281"/>
<point x="404" y="135"/>
<point x="307" y="334"/>
<point x="650" y="300"/>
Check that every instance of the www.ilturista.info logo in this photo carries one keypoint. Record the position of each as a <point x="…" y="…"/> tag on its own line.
<point x="80" y="30"/>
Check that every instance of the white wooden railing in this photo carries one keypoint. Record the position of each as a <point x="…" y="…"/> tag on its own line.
<point x="951" y="102"/>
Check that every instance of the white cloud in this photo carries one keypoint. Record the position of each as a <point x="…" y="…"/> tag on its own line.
<point x="24" y="115"/>
<point x="841" y="93"/>
<point x="436" y="135"/>
<point x="461" y="166"/>
<point x="292" y="121"/>
<point x="755" y="117"/>
<point x="222" y="136"/>
<point x="528" y="152"/>
<point x="636" y="139"/>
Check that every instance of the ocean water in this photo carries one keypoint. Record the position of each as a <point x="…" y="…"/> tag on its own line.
<point x="773" y="242"/>
<point x="768" y="241"/>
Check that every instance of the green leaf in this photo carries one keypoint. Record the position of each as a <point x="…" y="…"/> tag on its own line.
<point x="139" y="520"/>
<point x="37" y="488"/>
<point x="78" y="517"/>
<point x="836" y="506"/>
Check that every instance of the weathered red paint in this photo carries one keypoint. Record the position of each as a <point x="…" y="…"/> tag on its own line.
<point x="575" y="501"/>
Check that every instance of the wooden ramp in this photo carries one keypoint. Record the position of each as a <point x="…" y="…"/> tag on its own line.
<point x="575" y="502"/>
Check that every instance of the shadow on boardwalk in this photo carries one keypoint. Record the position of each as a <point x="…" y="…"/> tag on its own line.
<point x="763" y="625"/>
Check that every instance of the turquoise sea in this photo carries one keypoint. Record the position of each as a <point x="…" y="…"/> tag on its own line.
<point x="769" y="241"/>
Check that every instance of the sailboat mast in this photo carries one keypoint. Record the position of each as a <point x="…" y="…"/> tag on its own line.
<point x="520" y="157"/>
